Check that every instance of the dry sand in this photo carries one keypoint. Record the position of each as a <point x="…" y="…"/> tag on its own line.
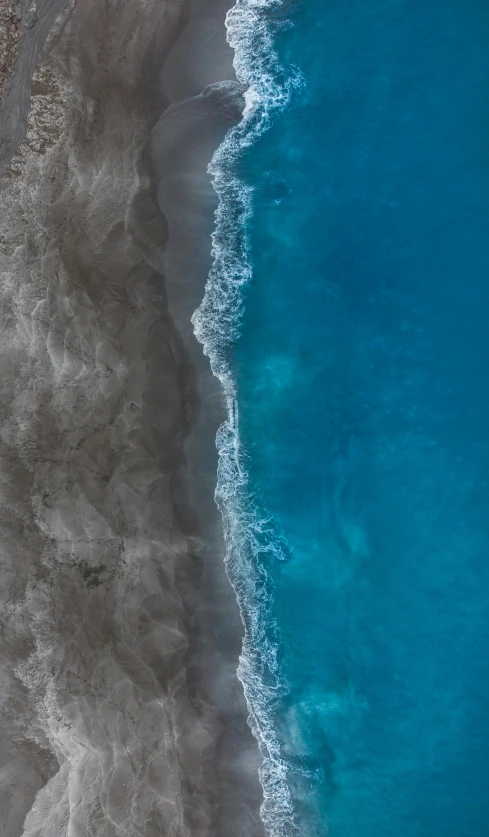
<point x="120" y="712"/>
<point x="10" y="22"/>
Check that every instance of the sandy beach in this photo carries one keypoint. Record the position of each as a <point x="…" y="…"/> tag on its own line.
<point x="10" y="22"/>
<point x="121" y="714"/>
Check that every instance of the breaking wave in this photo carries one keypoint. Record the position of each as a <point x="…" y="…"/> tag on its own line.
<point x="250" y="533"/>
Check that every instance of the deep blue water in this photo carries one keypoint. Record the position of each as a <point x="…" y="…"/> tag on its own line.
<point x="362" y="382"/>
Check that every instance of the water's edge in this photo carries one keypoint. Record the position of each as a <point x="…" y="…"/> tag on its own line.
<point x="248" y="535"/>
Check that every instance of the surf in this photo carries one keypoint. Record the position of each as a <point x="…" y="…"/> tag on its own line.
<point x="249" y="530"/>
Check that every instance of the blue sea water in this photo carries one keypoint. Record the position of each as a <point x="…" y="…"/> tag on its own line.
<point x="347" y="315"/>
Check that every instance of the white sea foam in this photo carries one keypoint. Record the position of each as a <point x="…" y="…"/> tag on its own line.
<point x="249" y="534"/>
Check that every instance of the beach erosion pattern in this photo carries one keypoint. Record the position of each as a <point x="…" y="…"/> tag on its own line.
<point x="120" y="711"/>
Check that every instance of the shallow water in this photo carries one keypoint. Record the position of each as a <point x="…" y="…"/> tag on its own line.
<point x="363" y="415"/>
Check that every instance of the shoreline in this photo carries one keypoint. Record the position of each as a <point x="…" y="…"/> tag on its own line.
<point x="123" y="631"/>
<point x="250" y="533"/>
<point x="179" y="169"/>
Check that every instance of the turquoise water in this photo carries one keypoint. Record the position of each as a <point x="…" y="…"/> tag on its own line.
<point x="348" y="318"/>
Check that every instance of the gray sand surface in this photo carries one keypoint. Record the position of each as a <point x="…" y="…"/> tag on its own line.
<point x="120" y="711"/>
<point x="39" y="19"/>
<point x="10" y="27"/>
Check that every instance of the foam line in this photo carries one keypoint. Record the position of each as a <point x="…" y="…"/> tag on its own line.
<point x="249" y="533"/>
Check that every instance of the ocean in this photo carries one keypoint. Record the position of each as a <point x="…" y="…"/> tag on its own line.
<point x="346" y="316"/>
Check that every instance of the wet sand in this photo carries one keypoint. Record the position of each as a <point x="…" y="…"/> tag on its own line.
<point x="121" y="713"/>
